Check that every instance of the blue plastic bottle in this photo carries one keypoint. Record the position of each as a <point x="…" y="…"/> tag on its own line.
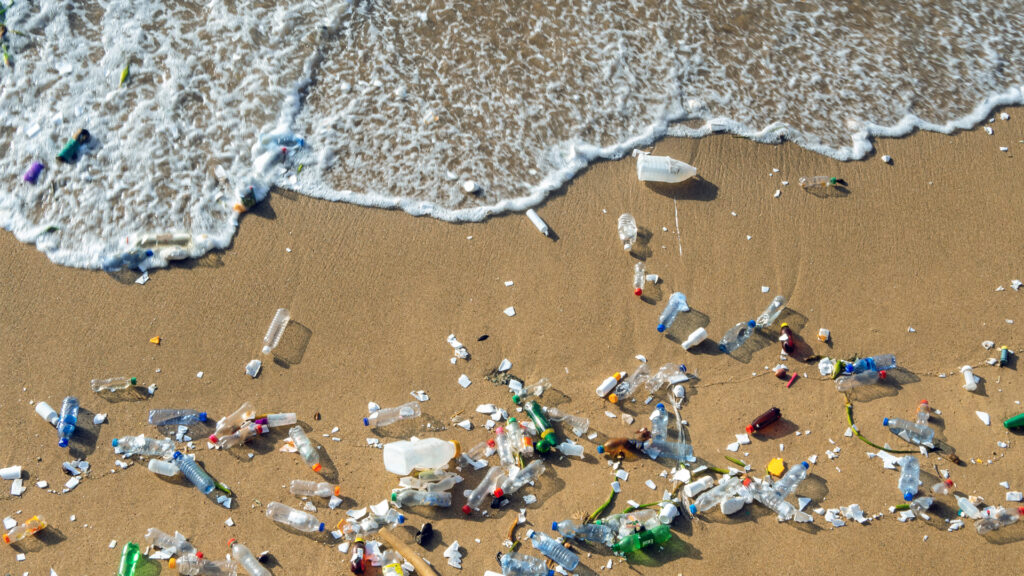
<point x="68" y="420"/>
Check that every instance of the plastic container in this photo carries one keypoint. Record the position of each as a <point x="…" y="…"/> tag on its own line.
<point x="609" y="384"/>
<point x="533" y="391"/>
<point x="924" y="412"/>
<point x="67" y="421"/>
<point x="386" y="416"/>
<point x="548" y="439"/>
<point x="1004" y="356"/>
<point x="817" y="182"/>
<point x="848" y="382"/>
<point x="695" y="338"/>
<point x="195" y="474"/>
<point x="520" y="442"/>
<point x="391" y="564"/>
<point x="662" y="169"/>
<point x="627" y="231"/>
<point x="772" y="312"/>
<point x="176" y="544"/>
<point x="240" y="553"/>
<point x="404" y="456"/>
<point x="350" y="527"/>
<point x="410" y="497"/>
<point x="176" y="417"/>
<point x="1001" y="518"/>
<point x="112" y="384"/>
<point x="279" y="419"/>
<point x="357" y="562"/>
<point x="307" y="451"/>
<point x="913" y="432"/>
<point x="676" y="304"/>
<point x="596" y="533"/>
<point x="550" y="547"/>
<point x="538" y="222"/>
<point x="10" y="473"/>
<point x="530" y="473"/>
<point x="163" y="467"/>
<point x="639" y="276"/>
<point x="193" y="565"/>
<point x="578" y="424"/>
<point x="737" y="336"/>
<point x="494" y="477"/>
<point x="234" y="421"/>
<point x="910" y="477"/>
<point x="46" y="412"/>
<point x="640" y="540"/>
<point x="716" y="495"/>
<point x="876" y="363"/>
<point x="519" y="564"/>
<point x="143" y="446"/>
<point x="33" y="172"/>
<point x="970" y="381"/>
<point x="774" y="496"/>
<point x="310" y="488"/>
<point x="764" y="420"/>
<point x="628" y="386"/>
<point x="130" y="557"/>
<point x="297" y="519"/>
<point x="70" y="150"/>
<point x="248" y="431"/>
<point x="25" y="529"/>
<point x="275" y="330"/>
<point x="504" y="447"/>
<point x="968" y="508"/>
<point x="659" y="424"/>
<point x="943" y="488"/>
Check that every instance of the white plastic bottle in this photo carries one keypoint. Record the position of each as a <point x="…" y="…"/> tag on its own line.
<point x="404" y="456"/>
<point x="695" y="337"/>
<point x="240" y="553"/>
<point x="46" y="412"/>
<point x="609" y="384"/>
<point x="662" y="169"/>
<point x="275" y="330"/>
<point x="297" y="519"/>
<point x="627" y="231"/>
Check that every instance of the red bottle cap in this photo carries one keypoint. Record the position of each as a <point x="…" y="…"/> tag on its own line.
<point x="230" y="542"/>
<point x="199" y="554"/>
<point x="213" y="438"/>
<point x="638" y="291"/>
<point x="498" y="492"/>
<point x="882" y="375"/>
<point x="948" y="481"/>
<point x="317" y="467"/>
<point x="466" y="509"/>
<point x="922" y="402"/>
<point x="750" y="429"/>
<point x="490" y="442"/>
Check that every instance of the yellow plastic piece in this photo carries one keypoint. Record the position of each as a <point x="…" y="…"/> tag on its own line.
<point x="776" y="467"/>
<point x="155" y="340"/>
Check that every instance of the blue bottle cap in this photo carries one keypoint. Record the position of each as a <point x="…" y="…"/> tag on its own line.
<point x="176" y="455"/>
<point x="660" y="406"/>
<point x="751" y="323"/>
<point x="805" y="465"/>
<point x="661" y="327"/>
<point x="848" y="368"/>
<point x="885" y="421"/>
<point x="554" y="526"/>
<point x="682" y="368"/>
<point x="366" y="421"/>
<point x="202" y="416"/>
<point x="63" y="442"/>
<point x="321" y="529"/>
<point x="600" y="449"/>
<point x="551" y="573"/>
<point x="693" y="509"/>
<point x="722" y="348"/>
<point x="401" y="519"/>
<point x="908" y="496"/>
<point x="114" y="442"/>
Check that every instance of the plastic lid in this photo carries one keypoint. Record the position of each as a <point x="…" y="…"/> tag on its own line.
<point x="490" y="442"/>
<point x="661" y="327"/>
<point x="551" y="573"/>
<point x="554" y="525"/>
<point x="613" y="398"/>
<point x="466" y="509"/>
<point x="499" y="430"/>
<point x="638" y="291"/>
<point x="63" y="443"/>
<point x="133" y="380"/>
<point x="922" y="402"/>
<point x="366" y="421"/>
<point x="783" y="325"/>
<point x="401" y="519"/>
<point x="202" y="415"/>
<point x="751" y="323"/>
<point x="114" y="442"/>
<point x="394" y="496"/>
<point x="516" y="399"/>
<point x="682" y="368"/>
<point x="170" y="563"/>
<point x="600" y="449"/>
<point x="321" y="529"/>
<point x="458" y="448"/>
<point x="214" y="439"/>
<point x="316" y="468"/>
<point x="948" y="481"/>
<point x="659" y="406"/>
<point x="750" y="428"/>
<point x="908" y="496"/>
<point x="512" y="419"/>
<point x="337" y="490"/>
<point x="530" y="533"/>
<point x="885" y="421"/>
<point x="882" y="374"/>
<point x="231" y="541"/>
<point x="498" y="492"/>
<point x="805" y="465"/>
<point x="693" y="509"/>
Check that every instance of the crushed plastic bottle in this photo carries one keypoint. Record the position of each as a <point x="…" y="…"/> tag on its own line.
<point x="405" y="456"/>
<point x="627" y="231"/>
<point x="913" y="432"/>
<point x="195" y="474"/>
<point x="248" y="431"/>
<point x="848" y="382"/>
<point x="68" y="420"/>
<point x="662" y="169"/>
<point x="1000" y="518"/>
<point x="910" y="477"/>
<point x="276" y="329"/>
<point x="176" y="544"/>
<point x="639" y="276"/>
<point x="163" y="467"/>
<point x="876" y="363"/>
<point x="628" y="386"/>
<point x="302" y="521"/>
<point x="943" y="488"/>
<point x="668" y="375"/>
<point x="350" y="527"/>
<point x="193" y="565"/>
<point x="676" y="304"/>
<point x="578" y="424"/>
<point x="772" y="312"/>
<point x="112" y="384"/>
<point x="173" y="417"/>
<point x="967" y="507"/>
<point x="520" y="442"/>
<point x="240" y="553"/>
<point x="530" y="473"/>
<point x="474" y="498"/>
<point x="737" y="336"/>
<point x="279" y="419"/>
<point x="716" y="495"/>
<point x="808" y="183"/>
<point x="533" y="391"/>
<point x="519" y="564"/>
<point x="307" y="451"/>
<point x="412" y="497"/>
<point x="774" y="495"/>
<point x="596" y="533"/>
<point x="142" y="446"/>
<point x="311" y="488"/>
<point x="25" y="529"/>
<point x="234" y="421"/>
<point x="551" y="548"/>
<point x="386" y="416"/>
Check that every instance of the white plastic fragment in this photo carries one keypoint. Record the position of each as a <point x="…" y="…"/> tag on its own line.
<point x="510" y="311"/>
<point x="142" y="279"/>
<point x="509" y="282"/>
<point x="731" y="506"/>
<point x="99" y="418"/>
<point x="420" y="395"/>
<point x="71" y="483"/>
<point x="229" y="522"/>
<point x="742" y="439"/>
<point x="505" y="365"/>
<point x="802" y="503"/>
<point x="622" y="475"/>
<point x="1016" y="284"/>
<point x="453" y="555"/>
<point x="252" y="369"/>
<point x="9" y="523"/>
<point x="199" y="374"/>
<point x="10" y="473"/>
<point x="734" y="447"/>
<point x="988" y="344"/>
<point x="984" y="417"/>
<point x="650" y="484"/>
<point x="887" y="159"/>
<point x="18" y="487"/>
<point x="468" y="425"/>
<point x="464" y="381"/>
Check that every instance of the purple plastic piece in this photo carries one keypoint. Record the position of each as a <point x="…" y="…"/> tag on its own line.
<point x="33" y="172"/>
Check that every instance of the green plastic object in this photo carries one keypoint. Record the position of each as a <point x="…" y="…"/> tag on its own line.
<point x="548" y="438"/>
<point x="1015" y="422"/>
<point x="70" y="150"/>
<point x="640" y="540"/>
<point x="129" y="559"/>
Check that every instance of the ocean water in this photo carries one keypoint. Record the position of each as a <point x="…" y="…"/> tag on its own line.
<point x="405" y="103"/>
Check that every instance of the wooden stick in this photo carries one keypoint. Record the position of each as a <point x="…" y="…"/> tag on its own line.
<point x="407" y="552"/>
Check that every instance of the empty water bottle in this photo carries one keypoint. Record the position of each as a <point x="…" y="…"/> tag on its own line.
<point x="924" y="412"/>
<point x="25" y="529"/>
<point x="533" y="391"/>
<point x="246" y="432"/>
<point x="303" y="521"/>
<point x="142" y="446"/>
<point x="659" y="423"/>
<point x="240" y="553"/>
<point x="1000" y="518"/>
<point x="405" y="456"/>
<point x="596" y="533"/>
<point x="195" y="474"/>
<point x="520" y="442"/>
<point x="910" y="477"/>
<point x="275" y="330"/>
<point x="494" y="477"/>
<point x="431" y="481"/>
<point x="519" y="564"/>
<point x="817" y="182"/>
<point x="578" y="424"/>
<point x="176" y="544"/>
<point x="163" y="467"/>
<point x="307" y="451"/>
<point x="737" y="336"/>
<point x="531" y="472"/>
<point x="386" y="416"/>
<point x="639" y="275"/>
<point x="234" y="421"/>
<point x="279" y="419"/>
<point x="716" y="495"/>
<point x="112" y="384"/>
<point x="774" y="496"/>
<point x="193" y="565"/>
<point x="662" y="169"/>
<point x="551" y="548"/>
<point x="877" y="363"/>
<point x="67" y="421"/>
<point x="848" y="382"/>
<point x="943" y="488"/>
<point x="676" y="304"/>
<point x="46" y="412"/>
<point x="175" y="417"/>
<point x="913" y="432"/>
<point x="410" y="497"/>
<point x="968" y="508"/>
<point x="771" y="313"/>
<point x="628" y="386"/>
<point x="310" y="488"/>
<point x="627" y="231"/>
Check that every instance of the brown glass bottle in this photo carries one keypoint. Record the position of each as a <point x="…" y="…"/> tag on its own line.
<point x="764" y="420"/>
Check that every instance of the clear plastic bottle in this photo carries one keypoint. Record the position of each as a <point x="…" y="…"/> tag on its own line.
<point x="46" y="412"/>
<point x="551" y="548"/>
<point x="245" y="433"/>
<point x="176" y="544"/>
<point x="25" y="529"/>
<point x="578" y="424"/>
<point x="411" y="497"/>
<point x="504" y="446"/>
<point x="676" y="304"/>
<point x="675" y="450"/>
<point x="921" y="434"/>
<point x="112" y="384"/>
<point x="716" y="495"/>
<point x="817" y="182"/>
<point x="876" y="363"/>
<point x="924" y="412"/>
<point x="405" y="456"/>
<point x="163" y="467"/>
<point x="391" y="564"/>
<point x="478" y="451"/>
<point x="628" y="386"/>
<point x="531" y="472"/>
<point x="431" y="483"/>
<point x="627" y="523"/>
<point x="668" y="375"/>
<point x="627" y="231"/>
<point x="659" y="424"/>
<point x="848" y="382"/>
<point x="517" y="440"/>
<point x="662" y="169"/>
<point x="68" y="420"/>
<point x="193" y="565"/>
<point x="195" y="474"/>
<point x="297" y="519"/>
<point x="1001" y="518"/>
<point x="639" y="276"/>
<point x="596" y="533"/>
<point x="234" y="421"/>
<point x="386" y="416"/>
<point x="774" y="495"/>
<point x="943" y="488"/>
<point x="474" y="498"/>
<point x="279" y="419"/>
<point x="240" y="553"/>
<point x="176" y="417"/>
<point x="737" y="336"/>
<point x="310" y="488"/>
<point x="142" y="446"/>
<point x="519" y="564"/>
<point x="910" y="477"/>
<point x="772" y="312"/>
<point x="307" y="451"/>
<point x="275" y="330"/>
<point x="967" y="507"/>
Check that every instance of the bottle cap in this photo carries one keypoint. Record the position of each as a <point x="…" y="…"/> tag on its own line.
<point x="638" y="291"/>
<point x="554" y="525"/>
<point x="783" y="325"/>
<point x="394" y="496"/>
<point x="63" y="443"/>
<point x="750" y="428"/>
<point x="661" y="327"/>
<point x="682" y="368"/>
<point x="613" y="398"/>
<point x="499" y="430"/>
<point x="885" y="421"/>
<point x="466" y="509"/>
<point x="751" y="323"/>
<point x="214" y="439"/>
<point x="170" y="563"/>
<point x="316" y="468"/>
<point x="908" y="496"/>
<point x="512" y="419"/>
<point x="922" y="402"/>
<point x="458" y="448"/>
<point x="693" y="509"/>
<point x="366" y="421"/>
<point x="337" y="491"/>
<point x="805" y="465"/>
<point x="199" y="554"/>
<point x="600" y="449"/>
<point x="114" y="442"/>
<point x="202" y="415"/>
<point x="401" y="519"/>
<point x="490" y="442"/>
<point x="231" y="541"/>
<point x="659" y="406"/>
<point x="321" y="529"/>
<point x="882" y="374"/>
<point x="498" y="492"/>
<point x="516" y="399"/>
<point x="948" y="481"/>
<point x="530" y="533"/>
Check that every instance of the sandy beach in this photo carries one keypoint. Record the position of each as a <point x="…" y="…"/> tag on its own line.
<point x="907" y="262"/>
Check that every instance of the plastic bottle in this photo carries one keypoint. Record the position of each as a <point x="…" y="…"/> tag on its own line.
<point x="233" y="421"/>
<point x="494" y="477"/>
<point x="112" y="384"/>
<point x="913" y="432"/>
<point x="596" y="533"/>
<point x="533" y="391"/>
<point x="519" y="564"/>
<point x="639" y="276"/>
<point x="625" y="389"/>
<point x="70" y="150"/>
<point x="297" y="519"/>
<point x="391" y="564"/>
<point x="176" y="544"/>
<point x="386" y="416"/>
<point x="678" y="450"/>
<point x="240" y="553"/>
<point x="848" y="382"/>
<point x="579" y="424"/>
<point x="968" y="508"/>
<point x="275" y="330"/>
<point x="163" y="467"/>
<point x="924" y="411"/>
<point x="817" y="182"/>
<point x="357" y="563"/>
<point x="129" y="559"/>
<point x="787" y="339"/>
<point x="1014" y="421"/>
<point x="548" y="438"/>
<point x="676" y="304"/>
<point x="771" y="313"/>
<point x="195" y="474"/>
<point x="716" y="495"/>
<point x="46" y="412"/>
<point x="504" y="447"/>
<point x="68" y="420"/>
<point x="279" y="419"/>
<point x="662" y="169"/>
<point x="550" y="547"/>
<point x="669" y="374"/>
<point x="410" y="497"/>
<point x="193" y="565"/>
<point x="609" y="384"/>
<point x="478" y="451"/>
<point x="877" y="363"/>
<point x="248" y="431"/>
<point x="774" y="496"/>
<point x="441" y="485"/>
<point x="970" y="381"/>
<point x="405" y="456"/>
<point x="628" y="448"/>
<point x="143" y="446"/>
<point x="659" y="424"/>
<point x="1001" y="518"/>
<point x="307" y="451"/>
<point x="25" y="529"/>
<point x="520" y="442"/>
<point x="350" y="527"/>
<point x="175" y="417"/>
<point x="764" y="420"/>
<point x="531" y="472"/>
<point x="310" y="488"/>
<point x="627" y="231"/>
<point x="736" y="336"/>
<point x="1004" y="356"/>
<point x="695" y="338"/>
<point x="943" y="488"/>
<point x="910" y="477"/>
<point x="639" y="540"/>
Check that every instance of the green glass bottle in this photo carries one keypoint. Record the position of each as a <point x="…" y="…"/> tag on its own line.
<point x="129" y="559"/>
<point x="1015" y="422"/>
<point x="640" y="540"/>
<point x="548" y="438"/>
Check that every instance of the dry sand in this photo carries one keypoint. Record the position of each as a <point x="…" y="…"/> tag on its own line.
<point x="923" y="243"/>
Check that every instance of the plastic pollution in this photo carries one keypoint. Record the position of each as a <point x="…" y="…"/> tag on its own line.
<point x="279" y="138"/>
<point x="568" y="448"/>
<point x="174" y="417"/>
<point x="112" y="384"/>
<point x="1004" y="356"/>
<point x="25" y="529"/>
<point x="627" y="231"/>
<point x="659" y="424"/>
<point x="310" y="488"/>
<point x="831" y="368"/>
<point x="504" y="447"/>
<point x="163" y="467"/>
<point x="771" y="313"/>
<point x="177" y="544"/>
<point x="350" y="527"/>
<point x="70" y="150"/>
<point x="818" y="182"/>
<point x="474" y="498"/>
<point x="637" y="541"/>
<point x="716" y="495"/>
<point x="234" y="421"/>
<point x="774" y="496"/>
<point x="630" y="522"/>
<point x="247" y="431"/>
<point x="596" y="533"/>
<point x="10" y="473"/>
<point x="639" y="274"/>
<point x="910" y="477"/>
<point x="386" y="416"/>
<point x="68" y="420"/>
<point x="548" y="438"/>
<point x="924" y="411"/>
<point x="33" y="172"/>
<point x="252" y="368"/>
<point x="1000" y="518"/>
<point x="695" y="338"/>
<point x="877" y="363"/>
<point x="628" y="386"/>
<point x="550" y="547"/>
<point x="297" y="519"/>
<point x="275" y="330"/>
<point x="240" y="553"/>
<point x="676" y="304"/>
<point x="391" y="564"/>
<point x="521" y="443"/>
<point x="848" y="382"/>
<point x="195" y="474"/>
<point x="357" y="563"/>
<point x="46" y="412"/>
<point x="943" y="488"/>
<point x="913" y="432"/>
<point x="668" y="374"/>
<point x="306" y="449"/>
<point x="970" y="381"/>
<point x="737" y="336"/>
<point x="538" y="222"/>
<point x="679" y="451"/>
<point x="578" y="424"/>
<point x="405" y="456"/>
<point x="519" y="564"/>
<point x="531" y="472"/>
<point x="279" y="419"/>
<point x="143" y="446"/>
<point x="764" y="420"/>
<point x="431" y="483"/>
<point x="967" y="507"/>
<point x="662" y="169"/>
<point x="1014" y="421"/>
<point x="787" y="338"/>
<point x="621" y="448"/>
<point x="193" y="565"/>
<point x="411" y="497"/>
<point x="609" y="384"/>
<point x="533" y="391"/>
<point x="129" y="559"/>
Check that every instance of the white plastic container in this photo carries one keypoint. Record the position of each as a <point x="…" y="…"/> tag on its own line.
<point x="662" y="169"/>
<point x="970" y="382"/>
<point x="46" y="412"/>
<point x="538" y="222"/>
<point x="404" y="456"/>
<point x="696" y="337"/>
<point x="163" y="467"/>
<point x="10" y="473"/>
